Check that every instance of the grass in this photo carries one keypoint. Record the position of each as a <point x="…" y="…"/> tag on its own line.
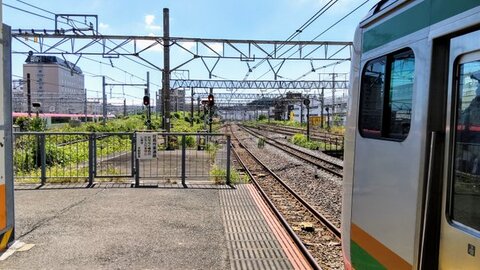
<point x="219" y="176"/>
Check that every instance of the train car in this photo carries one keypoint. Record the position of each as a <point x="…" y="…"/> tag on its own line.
<point x="412" y="150"/>
<point x="53" y="119"/>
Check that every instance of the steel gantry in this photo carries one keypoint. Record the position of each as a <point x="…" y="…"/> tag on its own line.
<point x="264" y="84"/>
<point x="114" y="46"/>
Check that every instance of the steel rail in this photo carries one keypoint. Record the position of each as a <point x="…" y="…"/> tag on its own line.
<point x="318" y="215"/>
<point x="292" y="130"/>
<point x="298" y="153"/>
<point x="303" y="130"/>
<point x="303" y="249"/>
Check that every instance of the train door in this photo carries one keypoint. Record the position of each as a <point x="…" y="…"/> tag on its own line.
<point x="460" y="217"/>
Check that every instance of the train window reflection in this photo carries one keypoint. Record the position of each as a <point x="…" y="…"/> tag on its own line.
<point x="372" y="96"/>
<point x="387" y="113"/>
<point x="465" y="199"/>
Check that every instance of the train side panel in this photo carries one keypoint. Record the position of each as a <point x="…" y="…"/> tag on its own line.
<point x="350" y="135"/>
<point x="385" y="177"/>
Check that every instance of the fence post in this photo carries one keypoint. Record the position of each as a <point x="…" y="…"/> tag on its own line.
<point x="133" y="158"/>
<point x="228" y="159"/>
<point x="91" y="158"/>
<point x="43" y="160"/>
<point x="184" y="159"/>
<point x="137" y="162"/>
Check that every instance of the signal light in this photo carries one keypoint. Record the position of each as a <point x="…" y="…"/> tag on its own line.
<point x="146" y="100"/>
<point x="211" y="100"/>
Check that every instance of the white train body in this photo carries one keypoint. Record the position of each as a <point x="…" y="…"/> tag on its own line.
<point x="411" y="188"/>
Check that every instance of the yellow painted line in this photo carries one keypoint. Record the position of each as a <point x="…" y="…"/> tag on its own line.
<point x="6" y="236"/>
<point x="377" y="250"/>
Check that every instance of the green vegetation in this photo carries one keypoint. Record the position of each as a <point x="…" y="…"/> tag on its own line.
<point x="66" y="155"/>
<point x="261" y="142"/>
<point x="262" y="117"/>
<point x="219" y="176"/>
<point x="30" y="123"/>
<point x="301" y="140"/>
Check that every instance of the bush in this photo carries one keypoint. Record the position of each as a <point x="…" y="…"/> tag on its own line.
<point x="189" y="141"/>
<point x="301" y="140"/>
<point x="262" y="117"/>
<point x="30" y="123"/>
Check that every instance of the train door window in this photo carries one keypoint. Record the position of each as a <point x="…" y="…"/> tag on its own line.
<point x="465" y="195"/>
<point x="386" y="96"/>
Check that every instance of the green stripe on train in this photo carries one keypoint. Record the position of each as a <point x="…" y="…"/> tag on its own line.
<point x="362" y="260"/>
<point x="411" y="20"/>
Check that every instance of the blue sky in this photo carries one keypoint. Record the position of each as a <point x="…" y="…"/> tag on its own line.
<point x="248" y="19"/>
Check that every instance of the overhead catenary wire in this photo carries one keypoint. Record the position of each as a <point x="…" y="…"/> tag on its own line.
<point x="316" y="37"/>
<point x="312" y="19"/>
<point x="48" y="18"/>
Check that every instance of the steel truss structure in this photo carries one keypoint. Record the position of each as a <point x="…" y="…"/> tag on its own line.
<point x="232" y="84"/>
<point x="113" y="46"/>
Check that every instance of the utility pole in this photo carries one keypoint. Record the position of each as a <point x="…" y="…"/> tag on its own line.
<point x="321" y="107"/>
<point x="198" y="105"/>
<point x="158" y="103"/>
<point x="166" y="69"/>
<point x="124" y="107"/>
<point x="333" y="93"/>
<point x="85" y="107"/>
<point x="29" y="96"/>
<point x="149" y="111"/>
<point x="307" y="104"/>
<point x="104" y="95"/>
<point x="210" y="113"/>
<point x="191" y="106"/>
<point x="333" y="103"/>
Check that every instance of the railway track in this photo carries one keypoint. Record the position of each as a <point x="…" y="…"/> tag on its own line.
<point x="315" y="235"/>
<point x="320" y="136"/>
<point x="327" y="165"/>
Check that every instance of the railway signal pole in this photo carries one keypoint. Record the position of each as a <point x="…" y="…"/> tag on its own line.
<point x="104" y="84"/>
<point x="306" y="102"/>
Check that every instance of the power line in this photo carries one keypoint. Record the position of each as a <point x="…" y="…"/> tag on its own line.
<point x="320" y="12"/>
<point x="323" y="32"/>
<point x="47" y="11"/>
<point x="103" y="63"/>
<point x="29" y="12"/>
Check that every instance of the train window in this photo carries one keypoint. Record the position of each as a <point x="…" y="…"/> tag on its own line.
<point x="465" y="197"/>
<point x="386" y="96"/>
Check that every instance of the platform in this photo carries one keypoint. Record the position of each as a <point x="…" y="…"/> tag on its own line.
<point x="114" y="226"/>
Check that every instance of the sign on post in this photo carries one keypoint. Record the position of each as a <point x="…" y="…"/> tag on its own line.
<point x="146" y="145"/>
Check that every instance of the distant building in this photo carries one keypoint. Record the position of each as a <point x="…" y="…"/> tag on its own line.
<point x="55" y="83"/>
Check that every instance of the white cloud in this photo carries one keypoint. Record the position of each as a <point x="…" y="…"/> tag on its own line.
<point x="149" y="19"/>
<point x="103" y="26"/>
<point x="218" y="47"/>
<point x="150" y="23"/>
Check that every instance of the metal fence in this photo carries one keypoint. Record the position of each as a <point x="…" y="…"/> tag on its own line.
<point x="185" y="157"/>
<point x="48" y="157"/>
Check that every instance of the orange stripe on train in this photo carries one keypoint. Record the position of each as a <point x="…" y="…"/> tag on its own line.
<point x="377" y="250"/>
